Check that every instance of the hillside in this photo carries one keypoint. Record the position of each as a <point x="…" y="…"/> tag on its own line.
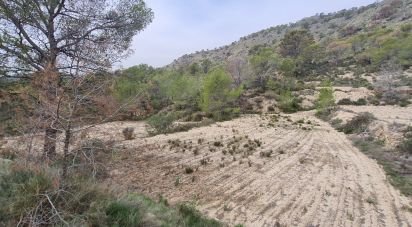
<point x="324" y="27"/>
<point x="306" y="124"/>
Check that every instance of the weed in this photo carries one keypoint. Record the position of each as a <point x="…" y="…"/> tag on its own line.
<point x="203" y="162"/>
<point x="193" y="218"/>
<point x="345" y="101"/>
<point x="177" y="181"/>
<point x="188" y="170"/>
<point x="9" y="154"/>
<point x="266" y="154"/>
<point x="200" y="140"/>
<point x="123" y="214"/>
<point x="226" y="208"/>
<point x="196" y="151"/>
<point x="218" y="144"/>
<point x="371" y="200"/>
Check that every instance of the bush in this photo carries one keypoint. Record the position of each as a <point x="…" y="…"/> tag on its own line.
<point x="325" y="104"/>
<point x="122" y="214"/>
<point x="406" y="145"/>
<point x="225" y="114"/>
<point x="36" y="195"/>
<point x="288" y="103"/>
<point x="218" y="96"/>
<point x="192" y="217"/>
<point x="345" y="101"/>
<point x="128" y="133"/>
<point x="360" y="102"/>
<point x="161" y="122"/>
<point x="358" y="124"/>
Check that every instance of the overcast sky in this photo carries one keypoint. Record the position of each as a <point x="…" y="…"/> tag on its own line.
<point x="185" y="26"/>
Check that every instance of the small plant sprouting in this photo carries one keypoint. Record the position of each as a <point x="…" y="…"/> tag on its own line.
<point x="188" y="170"/>
<point x="177" y="181"/>
<point x="128" y="133"/>
<point x="203" y="162"/>
<point x="218" y="144"/>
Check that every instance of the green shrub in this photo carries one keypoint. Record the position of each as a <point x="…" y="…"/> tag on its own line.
<point x="121" y="214"/>
<point x="325" y="104"/>
<point x="406" y="145"/>
<point x="217" y="97"/>
<point x="191" y="217"/>
<point x="288" y="103"/>
<point x="27" y="195"/>
<point x="345" y="101"/>
<point x="24" y="190"/>
<point x="161" y="122"/>
<point x="361" y="102"/>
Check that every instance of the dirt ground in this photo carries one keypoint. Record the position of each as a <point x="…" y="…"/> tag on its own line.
<point x="389" y="123"/>
<point x="296" y="177"/>
<point x="293" y="170"/>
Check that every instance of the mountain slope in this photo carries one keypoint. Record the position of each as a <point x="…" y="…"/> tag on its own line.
<point x="324" y="27"/>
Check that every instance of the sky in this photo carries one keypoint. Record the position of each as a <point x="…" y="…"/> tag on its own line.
<point x="185" y="26"/>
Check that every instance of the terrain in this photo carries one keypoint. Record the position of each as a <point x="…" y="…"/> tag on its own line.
<point x="301" y="174"/>
<point x="306" y="124"/>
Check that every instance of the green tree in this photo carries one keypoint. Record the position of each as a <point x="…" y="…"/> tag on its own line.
<point x="205" y="64"/>
<point x="194" y="68"/>
<point x="326" y="100"/>
<point x="288" y="67"/>
<point x="294" y="42"/>
<point x="217" y="93"/>
<point x="263" y="61"/>
<point x="288" y="102"/>
<point x="133" y="81"/>
<point x="48" y="39"/>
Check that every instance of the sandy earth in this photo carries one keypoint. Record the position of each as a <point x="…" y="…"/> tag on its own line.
<point x="351" y="93"/>
<point x="389" y="123"/>
<point x="313" y="177"/>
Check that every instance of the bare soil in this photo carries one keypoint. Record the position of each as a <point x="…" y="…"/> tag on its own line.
<point x="296" y="177"/>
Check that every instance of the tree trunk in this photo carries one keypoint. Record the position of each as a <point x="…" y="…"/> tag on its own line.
<point x="66" y="151"/>
<point x="50" y="139"/>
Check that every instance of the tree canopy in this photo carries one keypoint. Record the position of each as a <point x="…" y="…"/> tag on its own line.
<point x="68" y="36"/>
<point x="295" y="42"/>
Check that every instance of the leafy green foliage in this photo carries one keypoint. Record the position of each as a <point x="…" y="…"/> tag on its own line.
<point x="132" y="81"/>
<point x="218" y="96"/>
<point x="263" y="61"/>
<point x="295" y="42"/>
<point x="36" y="195"/>
<point x="194" y="68"/>
<point x="288" y="103"/>
<point x="325" y="102"/>
<point x="122" y="214"/>
<point x="193" y="218"/>
<point x="162" y="122"/>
